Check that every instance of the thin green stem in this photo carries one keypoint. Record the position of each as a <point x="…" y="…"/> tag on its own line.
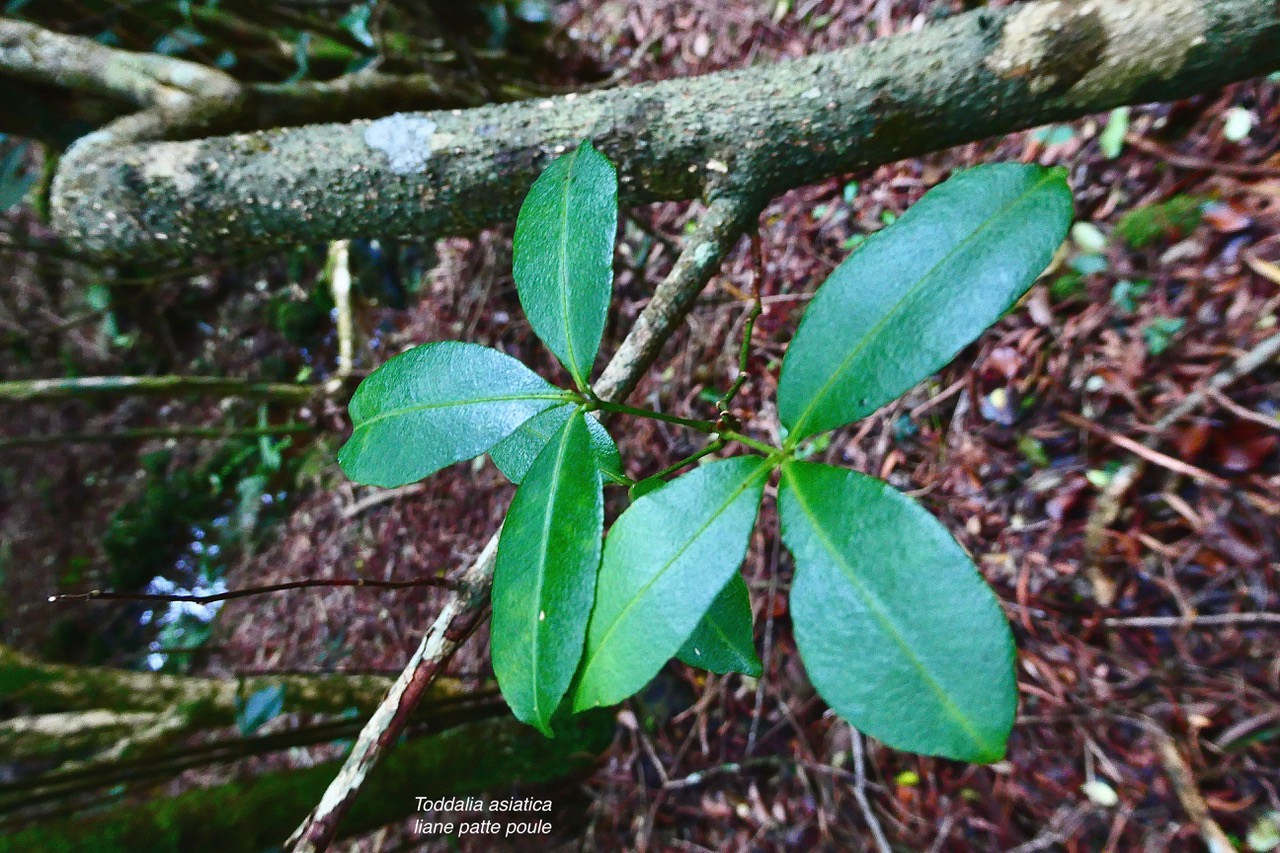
<point x="711" y="447"/>
<point x="744" y="351"/>
<point x="709" y="427"/>
<point x="754" y="444"/>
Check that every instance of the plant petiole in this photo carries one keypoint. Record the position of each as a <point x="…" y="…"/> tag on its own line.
<point x="754" y="444"/>
<point x="708" y="427"/>
<point x="711" y="447"/>
<point x="749" y="327"/>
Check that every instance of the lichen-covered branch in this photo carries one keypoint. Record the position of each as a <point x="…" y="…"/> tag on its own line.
<point x="174" y="98"/>
<point x="36" y="55"/>
<point x="763" y="130"/>
<point x="51" y="735"/>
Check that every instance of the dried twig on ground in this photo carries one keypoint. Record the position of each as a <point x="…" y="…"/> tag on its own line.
<point x="860" y="792"/>
<point x="1197" y="621"/>
<point x="378" y="498"/>
<point x="1184" y="785"/>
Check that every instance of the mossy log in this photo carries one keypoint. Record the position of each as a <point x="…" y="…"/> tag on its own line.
<point x="258" y="814"/>
<point x="59" y="708"/>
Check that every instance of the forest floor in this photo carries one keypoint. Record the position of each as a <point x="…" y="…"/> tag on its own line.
<point x="1046" y="448"/>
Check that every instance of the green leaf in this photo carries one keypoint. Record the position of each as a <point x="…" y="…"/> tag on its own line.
<point x="14" y="184"/>
<point x="665" y="560"/>
<point x="435" y="405"/>
<point x="724" y="640"/>
<point x="260" y="708"/>
<point x="1160" y="331"/>
<point x="895" y="626"/>
<point x="1111" y="140"/>
<point x="918" y="291"/>
<point x="563" y="255"/>
<point x="515" y="453"/>
<point x="544" y="577"/>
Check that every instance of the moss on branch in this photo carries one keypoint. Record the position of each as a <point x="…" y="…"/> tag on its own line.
<point x="256" y="814"/>
<point x="40" y="688"/>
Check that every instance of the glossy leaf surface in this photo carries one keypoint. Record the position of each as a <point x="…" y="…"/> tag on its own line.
<point x="545" y="574"/>
<point x="435" y="405"/>
<point x="665" y="560"/>
<point x="896" y="628"/>
<point x="563" y="255"/>
<point x="515" y="453"/>
<point x="724" y="640"/>
<point x="916" y="293"/>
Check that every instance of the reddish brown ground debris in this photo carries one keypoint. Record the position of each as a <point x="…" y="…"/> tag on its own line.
<point x="746" y="765"/>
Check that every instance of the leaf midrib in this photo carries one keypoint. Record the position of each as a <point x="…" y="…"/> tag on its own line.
<point x="564" y="273"/>
<point x="470" y="401"/>
<point x="743" y="660"/>
<point x="881" y="615"/>
<point x="737" y="493"/>
<point x="548" y="513"/>
<point x="893" y="312"/>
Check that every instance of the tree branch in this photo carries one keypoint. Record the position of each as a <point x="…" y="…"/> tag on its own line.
<point x="763" y="130"/>
<point x="175" y="98"/>
<point x="31" y="390"/>
<point x="749" y="135"/>
<point x="247" y="592"/>
<point x="144" y="433"/>
<point x="37" y="55"/>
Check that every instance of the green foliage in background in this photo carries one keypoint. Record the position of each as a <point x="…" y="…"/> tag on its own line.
<point x="1164" y="221"/>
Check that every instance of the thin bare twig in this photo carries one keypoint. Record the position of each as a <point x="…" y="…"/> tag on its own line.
<point x="1196" y="621"/>
<point x="860" y="792"/>
<point x="1258" y="355"/>
<point x="1184" y="785"/>
<point x="1061" y="827"/>
<point x="378" y="498"/>
<point x="766" y="649"/>
<point x="30" y="390"/>
<point x="1241" y="412"/>
<point x="1154" y="456"/>
<point x="365" y="583"/>
<point x="1185" y="161"/>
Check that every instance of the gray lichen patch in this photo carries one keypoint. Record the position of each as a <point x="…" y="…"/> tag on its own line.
<point x="174" y="162"/>
<point x="1129" y="50"/>
<point x="406" y="140"/>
